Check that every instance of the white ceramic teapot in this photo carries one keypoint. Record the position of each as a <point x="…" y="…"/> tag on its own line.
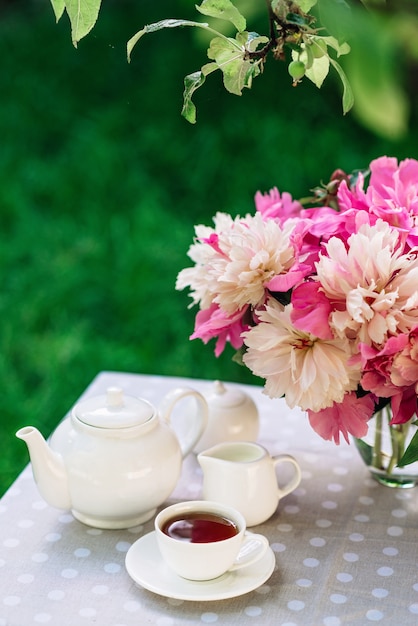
<point x="233" y="416"/>
<point x="115" y="459"/>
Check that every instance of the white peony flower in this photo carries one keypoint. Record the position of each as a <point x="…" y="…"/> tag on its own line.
<point x="236" y="260"/>
<point x="373" y="286"/>
<point x="309" y="372"/>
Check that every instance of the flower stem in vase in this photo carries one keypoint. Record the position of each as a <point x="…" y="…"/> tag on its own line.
<point x="377" y="455"/>
<point x="398" y="433"/>
<point x="383" y="449"/>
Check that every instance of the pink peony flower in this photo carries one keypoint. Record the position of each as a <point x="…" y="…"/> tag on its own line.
<point x="347" y="417"/>
<point x="273" y="205"/>
<point x="404" y="405"/>
<point x="392" y="372"/>
<point x="392" y="195"/>
<point x="311" y="310"/>
<point x="393" y="192"/>
<point x="353" y="198"/>
<point x="405" y="362"/>
<point x="214" y="323"/>
<point x="377" y="366"/>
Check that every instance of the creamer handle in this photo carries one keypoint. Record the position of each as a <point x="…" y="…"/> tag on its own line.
<point x="296" y="478"/>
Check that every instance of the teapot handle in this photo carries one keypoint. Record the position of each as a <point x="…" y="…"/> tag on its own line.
<point x="296" y="478"/>
<point x="196" y="426"/>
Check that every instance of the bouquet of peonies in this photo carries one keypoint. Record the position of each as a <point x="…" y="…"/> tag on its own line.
<point x="322" y="302"/>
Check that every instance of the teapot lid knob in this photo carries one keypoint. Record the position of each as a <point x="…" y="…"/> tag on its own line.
<point x="114" y="396"/>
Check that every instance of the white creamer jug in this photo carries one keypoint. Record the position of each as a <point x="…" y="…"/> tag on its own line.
<point x="243" y="475"/>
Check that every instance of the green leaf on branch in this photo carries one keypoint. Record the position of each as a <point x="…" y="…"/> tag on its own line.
<point x="83" y="16"/>
<point x="237" y="75"/>
<point x="222" y="48"/>
<point x="381" y="101"/>
<point x="252" y="40"/>
<point x="224" y="10"/>
<point x="230" y="58"/>
<point x="228" y="55"/>
<point x="318" y="70"/>
<point x="340" y="48"/>
<point x="348" y="97"/>
<point x="297" y="20"/>
<point x="152" y="28"/>
<point x="305" y="5"/>
<point x="336" y="17"/>
<point x="59" y="8"/>
<point x="192" y="82"/>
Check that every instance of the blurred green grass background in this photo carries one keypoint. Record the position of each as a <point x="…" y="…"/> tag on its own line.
<point x="101" y="183"/>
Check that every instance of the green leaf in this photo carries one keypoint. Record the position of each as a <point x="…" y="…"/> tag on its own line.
<point x="340" y="48"/>
<point x="306" y="56"/>
<point x="366" y="451"/>
<point x="192" y="82"/>
<point x="336" y="16"/>
<point x="305" y="5"/>
<point x="83" y="16"/>
<point x="229" y="56"/>
<point x="237" y="357"/>
<point x="411" y="453"/>
<point x="253" y="40"/>
<point x="348" y="97"/>
<point x="222" y="48"/>
<point x="236" y="75"/>
<point x="224" y="10"/>
<point x="253" y="70"/>
<point x="318" y="70"/>
<point x="59" y="8"/>
<point x="372" y="67"/>
<point x="297" y="20"/>
<point x="152" y="28"/>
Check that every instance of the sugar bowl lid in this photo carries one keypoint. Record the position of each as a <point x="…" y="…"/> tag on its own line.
<point x="225" y="397"/>
<point x="113" y="410"/>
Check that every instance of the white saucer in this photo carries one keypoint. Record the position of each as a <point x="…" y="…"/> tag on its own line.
<point x="147" y="568"/>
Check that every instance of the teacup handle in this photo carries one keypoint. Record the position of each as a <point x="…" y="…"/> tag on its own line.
<point x="296" y="478"/>
<point x="199" y="423"/>
<point x="253" y="547"/>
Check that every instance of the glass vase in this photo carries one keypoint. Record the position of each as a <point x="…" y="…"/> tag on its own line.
<point x="383" y="447"/>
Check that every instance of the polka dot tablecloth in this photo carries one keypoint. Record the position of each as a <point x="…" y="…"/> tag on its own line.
<point x="346" y="548"/>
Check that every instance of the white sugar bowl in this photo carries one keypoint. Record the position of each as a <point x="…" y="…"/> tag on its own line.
<point x="233" y="416"/>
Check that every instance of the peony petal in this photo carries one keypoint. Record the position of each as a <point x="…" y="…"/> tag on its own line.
<point x="311" y="310"/>
<point x="348" y="417"/>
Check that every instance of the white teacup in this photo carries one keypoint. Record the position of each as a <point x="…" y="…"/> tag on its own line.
<point x="201" y="540"/>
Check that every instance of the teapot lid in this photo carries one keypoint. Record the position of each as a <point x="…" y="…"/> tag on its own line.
<point x="113" y="410"/>
<point x="224" y="397"/>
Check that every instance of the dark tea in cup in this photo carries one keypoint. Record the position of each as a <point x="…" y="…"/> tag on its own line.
<point x="201" y="540"/>
<point x="200" y="527"/>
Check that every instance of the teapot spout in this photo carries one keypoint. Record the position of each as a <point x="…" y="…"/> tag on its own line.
<point x="48" y="469"/>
